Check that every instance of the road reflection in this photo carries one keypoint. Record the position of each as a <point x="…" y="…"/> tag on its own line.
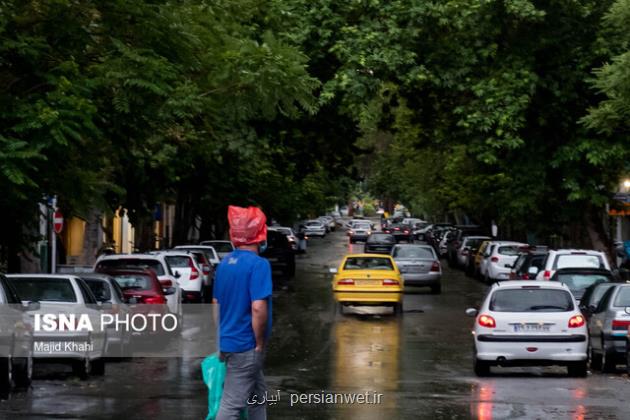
<point x="366" y="359"/>
<point x="493" y="399"/>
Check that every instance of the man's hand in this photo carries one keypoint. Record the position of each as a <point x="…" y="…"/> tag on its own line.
<point x="259" y="322"/>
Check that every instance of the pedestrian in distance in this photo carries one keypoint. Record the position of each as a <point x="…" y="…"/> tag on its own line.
<point x="243" y="288"/>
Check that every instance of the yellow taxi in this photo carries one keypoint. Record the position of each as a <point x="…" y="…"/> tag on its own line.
<point x="368" y="279"/>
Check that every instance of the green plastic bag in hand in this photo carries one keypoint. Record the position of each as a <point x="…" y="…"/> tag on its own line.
<point x="213" y="371"/>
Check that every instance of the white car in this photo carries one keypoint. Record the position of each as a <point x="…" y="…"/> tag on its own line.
<point x="314" y="228"/>
<point x="68" y="294"/>
<point x="498" y="259"/>
<point x="529" y="323"/>
<point x="222" y="248"/>
<point x="188" y="273"/>
<point x="572" y="258"/>
<point x="157" y="263"/>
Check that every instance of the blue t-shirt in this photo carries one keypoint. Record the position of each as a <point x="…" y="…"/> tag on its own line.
<point x="241" y="278"/>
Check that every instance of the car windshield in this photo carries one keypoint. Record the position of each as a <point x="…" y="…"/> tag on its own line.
<point x="368" y="263"/>
<point x="531" y="300"/>
<point x="413" y="252"/>
<point x="100" y="289"/>
<point x="383" y="238"/>
<point x="176" y="261"/>
<point x="598" y="293"/>
<point x="623" y="297"/>
<point x="155" y="265"/>
<point x="44" y="289"/>
<point x="578" y="283"/>
<point x="133" y="281"/>
<point x="579" y="261"/>
<point x="509" y="250"/>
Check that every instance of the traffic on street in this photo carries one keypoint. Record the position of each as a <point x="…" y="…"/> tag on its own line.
<point x="416" y="348"/>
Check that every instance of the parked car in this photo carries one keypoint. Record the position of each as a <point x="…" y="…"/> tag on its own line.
<point x="314" y="228"/>
<point x="288" y="232"/>
<point x="401" y="232"/>
<point x="208" y="259"/>
<point x="419" y="266"/>
<point x="498" y="260"/>
<point x="329" y="223"/>
<point x="455" y="238"/>
<point x="528" y="263"/>
<point x="60" y="292"/>
<point x="368" y="279"/>
<point x="222" y="248"/>
<point x="529" y="323"/>
<point x="467" y="244"/>
<point x="608" y="328"/>
<point x="579" y="279"/>
<point x="360" y="232"/>
<point x="155" y="262"/>
<point x="379" y="243"/>
<point x="280" y="254"/>
<point x="591" y="297"/>
<point x="188" y="273"/>
<point x="16" y="340"/>
<point x="106" y="290"/>
<point x="572" y="258"/>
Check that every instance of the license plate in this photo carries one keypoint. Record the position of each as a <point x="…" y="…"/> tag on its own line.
<point x="525" y="328"/>
<point x="368" y="282"/>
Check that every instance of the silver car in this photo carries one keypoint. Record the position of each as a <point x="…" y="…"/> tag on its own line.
<point x="419" y="265"/>
<point x="608" y="328"/>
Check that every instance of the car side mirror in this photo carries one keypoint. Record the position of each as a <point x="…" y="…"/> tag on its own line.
<point x="105" y="305"/>
<point x="471" y="312"/>
<point x="508" y="265"/>
<point x="31" y="306"/>
<point x="332" y="270"/>
<point x="532" y="271"/>
<point x="169" y="291"/>
<point x="591" y="308"/>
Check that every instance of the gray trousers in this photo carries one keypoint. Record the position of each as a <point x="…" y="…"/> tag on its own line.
<point x="244" y="381"/>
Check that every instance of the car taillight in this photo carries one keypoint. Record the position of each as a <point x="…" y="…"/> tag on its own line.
<point x="494" y="259"/>
<point x="390" y="282"/>
<point x="166" y="283"/>
<point x="486" y="321"/>
<point x="345" y="282"/>
<point x="576" y="321"/>
<point x="547" y="275"/>
<point x="435" y="266"/>
<point x="396" y="228"/>
<point x="619" y="324"/>
<point x="406" y="231"/>
<point x="154" y="300"/>
<point x="206" y="269"/>
<point x="194" y="273"/>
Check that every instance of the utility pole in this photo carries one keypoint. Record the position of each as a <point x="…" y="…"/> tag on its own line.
<point x="53" y="236"/>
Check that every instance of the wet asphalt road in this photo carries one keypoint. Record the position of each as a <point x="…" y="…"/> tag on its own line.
<point x="420" y="362"/>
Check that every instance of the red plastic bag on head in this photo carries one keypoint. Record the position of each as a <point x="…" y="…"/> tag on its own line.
<point x="247" y="225"/>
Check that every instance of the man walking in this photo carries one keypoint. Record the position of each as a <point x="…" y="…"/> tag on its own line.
<point x="242" y="288"/>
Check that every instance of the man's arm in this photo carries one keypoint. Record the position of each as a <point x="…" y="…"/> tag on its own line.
<point x="259" y="322"/>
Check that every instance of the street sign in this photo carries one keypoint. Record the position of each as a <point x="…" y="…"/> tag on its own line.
<point x="57" y="221"/>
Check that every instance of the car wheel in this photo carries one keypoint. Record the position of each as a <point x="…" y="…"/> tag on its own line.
<point x="481" y="368"/>
<point x="595" y="359"/>
<point x="577" y="369"/>
<point x="98" y="367"/>
<point x="23" y="372"/>
<point x="82" y="368"/>
<point x="6" y="377"/>
<point x="608" y="360"/>
<point x="436" y="289"/>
